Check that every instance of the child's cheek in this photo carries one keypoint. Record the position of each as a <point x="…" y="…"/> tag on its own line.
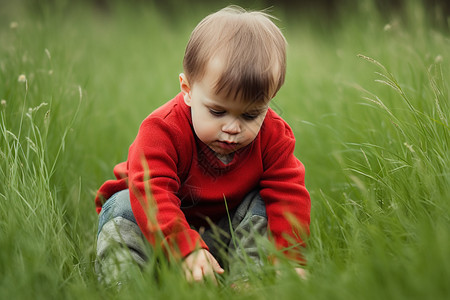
<point x="206" y="130"/>
<point x="253" y="129"/>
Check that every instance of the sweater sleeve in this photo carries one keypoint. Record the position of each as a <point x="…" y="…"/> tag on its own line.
<point x="153" y="163"/>
<point x="287" y="201"/>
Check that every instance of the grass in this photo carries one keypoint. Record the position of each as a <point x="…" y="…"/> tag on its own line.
<point x="366" y="94"/>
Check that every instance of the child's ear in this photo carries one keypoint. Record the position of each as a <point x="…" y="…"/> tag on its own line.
<point x="185" y="89"/>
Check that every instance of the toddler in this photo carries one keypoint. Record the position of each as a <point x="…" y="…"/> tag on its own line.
<point x="214" y="156"/>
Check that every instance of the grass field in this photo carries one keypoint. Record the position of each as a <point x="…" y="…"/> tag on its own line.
<point x="367" y="95"/>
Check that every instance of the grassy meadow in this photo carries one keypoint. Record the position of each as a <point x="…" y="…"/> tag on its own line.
<point x="366" y="93"/>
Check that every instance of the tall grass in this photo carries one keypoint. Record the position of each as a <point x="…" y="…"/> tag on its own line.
<point x="366" y="94"/>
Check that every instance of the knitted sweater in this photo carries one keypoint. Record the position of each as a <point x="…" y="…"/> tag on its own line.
<point x="176" y="182"/>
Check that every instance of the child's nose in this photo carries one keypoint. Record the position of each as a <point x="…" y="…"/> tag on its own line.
<point x="232" y="127"/>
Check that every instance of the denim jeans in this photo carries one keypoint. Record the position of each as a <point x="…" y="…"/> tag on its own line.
<point x="233" y="240"/>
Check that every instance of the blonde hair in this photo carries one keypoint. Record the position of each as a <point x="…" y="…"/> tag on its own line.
<point x="250" y="45"/>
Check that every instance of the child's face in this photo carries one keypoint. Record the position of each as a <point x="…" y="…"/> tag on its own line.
<point x="223" y="123"/>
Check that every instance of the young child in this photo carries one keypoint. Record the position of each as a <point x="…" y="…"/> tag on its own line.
<point x="214" y="151"/>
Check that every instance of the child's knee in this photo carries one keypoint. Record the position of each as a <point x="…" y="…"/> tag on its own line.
<point x="118" y="205"/>
<point x="120" y="241"/>
<point x="258" y="206"/>
<point x="120" y="232"/>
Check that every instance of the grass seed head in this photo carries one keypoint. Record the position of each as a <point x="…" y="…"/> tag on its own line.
<point x="22" y="78"/>
<point x="438" y="59"/>
<point x="410" y="147"/>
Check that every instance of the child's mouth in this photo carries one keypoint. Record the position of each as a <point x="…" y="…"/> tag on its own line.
<point x="227" y="145"/>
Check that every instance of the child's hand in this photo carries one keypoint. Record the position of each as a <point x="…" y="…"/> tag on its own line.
<point x="302" y="273"/>
<point x="199" y="265"/>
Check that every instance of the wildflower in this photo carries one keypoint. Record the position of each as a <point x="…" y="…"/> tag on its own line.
<point x="438" y="59"/>
<point x="3" y="103"/>
<point x="387" y="27"/>
<point x="13" y="25"/>
<point x="22" y="78"/>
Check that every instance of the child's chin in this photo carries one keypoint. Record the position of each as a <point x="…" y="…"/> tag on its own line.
<point x="222" y="152"/>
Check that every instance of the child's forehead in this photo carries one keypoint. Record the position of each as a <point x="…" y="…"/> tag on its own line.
<point x="215" y="68"/>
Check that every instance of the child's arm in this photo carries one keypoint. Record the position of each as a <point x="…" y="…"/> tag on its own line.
<point x="283" y="189"/>
<point x="154" y="166"/>
<point x="200" y="265"/>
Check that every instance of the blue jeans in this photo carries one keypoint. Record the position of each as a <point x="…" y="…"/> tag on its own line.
<point x="233" y="238"/>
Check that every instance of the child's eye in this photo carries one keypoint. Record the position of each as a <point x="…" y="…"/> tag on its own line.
<point x="250" y="117"/>
<point x="216" y="113"/>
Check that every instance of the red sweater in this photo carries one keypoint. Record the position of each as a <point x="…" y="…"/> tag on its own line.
<point x="188" y="182"/>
